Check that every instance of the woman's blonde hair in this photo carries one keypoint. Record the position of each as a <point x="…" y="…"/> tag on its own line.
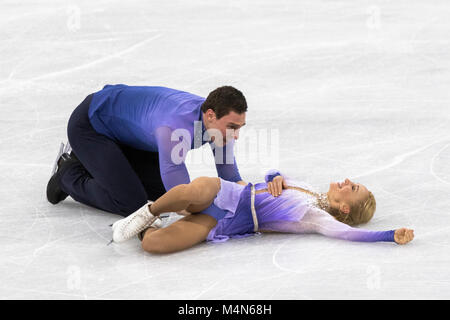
<point x="359" y="213"/>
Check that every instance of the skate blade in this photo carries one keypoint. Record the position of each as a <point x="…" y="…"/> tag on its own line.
<point x="60" y="152"/>
<point x="67" y="148"/>
<point x="162" y="217"/>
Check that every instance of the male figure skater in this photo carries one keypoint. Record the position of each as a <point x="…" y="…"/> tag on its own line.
<point x="129" y="144"/>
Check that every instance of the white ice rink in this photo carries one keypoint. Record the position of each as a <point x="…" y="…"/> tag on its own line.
<point x="356" y="89"/>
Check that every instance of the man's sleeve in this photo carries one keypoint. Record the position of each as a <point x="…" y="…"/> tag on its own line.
<point x="171" y="158"/>
<point x="225" y="161"/>
<point x="270" y="174"/>
<point x="172" y="168"/>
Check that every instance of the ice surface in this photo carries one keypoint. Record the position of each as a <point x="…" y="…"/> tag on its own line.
<point x="353" y="89"/>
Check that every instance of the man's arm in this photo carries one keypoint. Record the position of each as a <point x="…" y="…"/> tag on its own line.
<point x="171" y="159"/>
<point x="225" y="161"/>
<point x="172" y="168"/>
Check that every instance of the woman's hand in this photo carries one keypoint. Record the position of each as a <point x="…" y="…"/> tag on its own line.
<point x="403" y="235"/>
<point x="276" y="186"/>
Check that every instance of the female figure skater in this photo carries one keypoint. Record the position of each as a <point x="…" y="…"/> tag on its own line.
<point x="278" y="205"/>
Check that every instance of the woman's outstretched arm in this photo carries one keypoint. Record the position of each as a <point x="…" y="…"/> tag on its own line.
<point x="318" y="221"/>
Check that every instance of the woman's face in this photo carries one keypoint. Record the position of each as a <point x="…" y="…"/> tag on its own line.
<point x="342" y="195"/>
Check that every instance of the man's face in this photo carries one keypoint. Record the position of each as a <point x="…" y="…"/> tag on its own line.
<point x="225" y="129"/>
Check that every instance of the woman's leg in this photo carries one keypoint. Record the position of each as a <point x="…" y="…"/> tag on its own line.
<point x="180" y="235"/>
<point x="190" y="230"/>
<point x="193" y="197"/>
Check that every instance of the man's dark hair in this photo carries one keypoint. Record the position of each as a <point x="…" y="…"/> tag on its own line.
<point x="225" y="99"/>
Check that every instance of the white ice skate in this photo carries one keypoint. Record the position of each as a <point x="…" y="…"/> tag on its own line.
<point x="132" y="225"/>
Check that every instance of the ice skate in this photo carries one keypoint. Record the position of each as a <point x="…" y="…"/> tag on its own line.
<point x="54" y="192"/>
<point x="135" y="223"/>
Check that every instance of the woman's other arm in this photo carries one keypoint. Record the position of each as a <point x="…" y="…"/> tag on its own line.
<point x="319" y="221"/>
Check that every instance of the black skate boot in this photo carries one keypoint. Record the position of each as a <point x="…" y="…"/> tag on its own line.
<point x="54" y="192"/>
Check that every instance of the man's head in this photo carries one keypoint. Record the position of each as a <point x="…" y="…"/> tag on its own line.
<point x="224" y="110"/>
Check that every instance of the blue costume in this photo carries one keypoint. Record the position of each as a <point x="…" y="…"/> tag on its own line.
<point x="145" y="118"/>
<point x="132" y="142"/>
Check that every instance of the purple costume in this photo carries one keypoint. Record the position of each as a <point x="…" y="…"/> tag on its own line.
<point x="291" y="212"/>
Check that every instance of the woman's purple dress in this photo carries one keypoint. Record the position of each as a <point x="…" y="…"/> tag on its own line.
<point x="291" y="212"/>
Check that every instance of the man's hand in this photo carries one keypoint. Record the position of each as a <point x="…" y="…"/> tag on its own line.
<point x="403" y="235"/>
<point x="276" y="186"/>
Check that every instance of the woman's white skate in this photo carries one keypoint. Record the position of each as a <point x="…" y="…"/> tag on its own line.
<point x="132" y="225"/>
